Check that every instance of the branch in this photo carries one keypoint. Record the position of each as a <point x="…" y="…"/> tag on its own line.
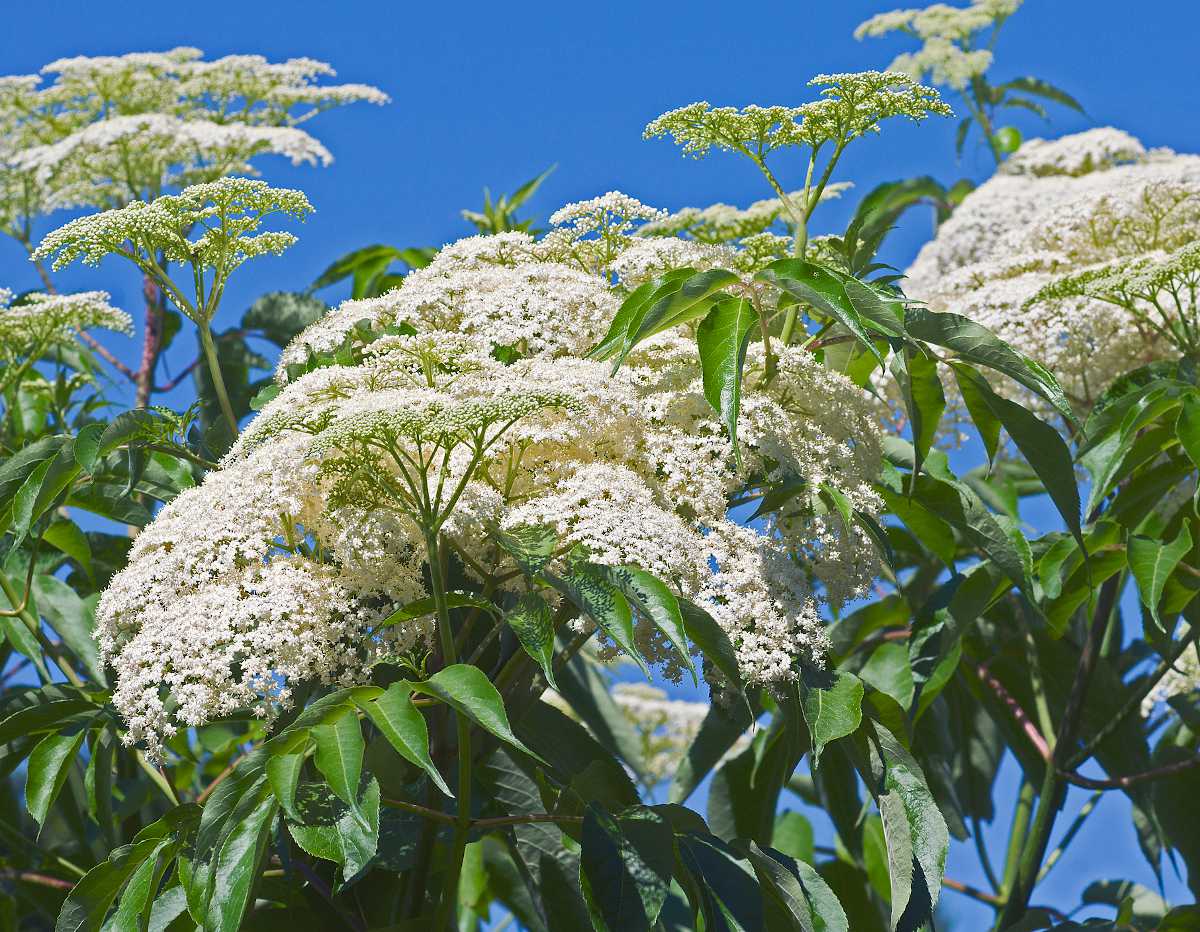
<point x="42" y="880"/>
<point x="1121" y="783"/>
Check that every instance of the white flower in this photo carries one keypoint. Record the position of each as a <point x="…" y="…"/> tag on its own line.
<point x="341" y="474"/>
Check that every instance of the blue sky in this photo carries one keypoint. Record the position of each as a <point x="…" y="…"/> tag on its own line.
<point x="490" y="94"/>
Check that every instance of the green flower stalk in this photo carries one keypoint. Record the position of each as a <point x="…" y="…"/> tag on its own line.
<point x="228" y="215"/>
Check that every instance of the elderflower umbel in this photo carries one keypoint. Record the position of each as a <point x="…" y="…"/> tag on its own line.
<point x="950" y="54"/>
<point x="1039" y="252"/>
<point x="428" y="424"/>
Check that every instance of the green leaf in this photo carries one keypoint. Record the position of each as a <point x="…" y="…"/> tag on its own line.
<point x="89" y="900"/>
<point x="823" y="290"/>
<point x="530" y="545"/>
<point x="1040" y="88"/>
<point x="327" y="828"/>
<point x="1042" y="446"/>
<point x="961" y="508"/>
<point x="339" y="755"/>
<point x="924" y="399"/>
<point x="727" y="888"/>
<point x="73" y="618"/>
<point x="712" y="640"/>
<point x="691" y="300"/>
<point x="45" y="716"/>
<point x="625" y="867"/>
<point x="1153" y="561"/>
<point x="832" y="711"/>
<point x="723" y="338"/>
<point x="974" y="343"/>
<point x="404" y="726"/>
<point x="67" y="537"/>
<point x="427" y="606"/>
<point x="469" y="692"/>
<point x="1187" y="428"/>
<point x="283" y="774"/>
<point x="588" y="588"/>
<point x="655" y="602"/>
<point x="49" y="766"/>
<point x="888" y="671"/>
<point x="87" y="446"/>
<point x="532" y="620"/>
<point x="633" y="307"/>
<point x="914" y="830"/>
<point x="237" y="865"/>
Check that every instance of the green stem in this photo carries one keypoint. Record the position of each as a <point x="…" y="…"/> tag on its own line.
<point x="1016" y="834"/>
<point x="214" y="369"/>
<point x="448" y="908"/>
<point x="1053" y="790"/>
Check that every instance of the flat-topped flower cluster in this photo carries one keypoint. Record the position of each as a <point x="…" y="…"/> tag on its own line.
<point x="108" y="130"/>
<point x="463" y="405"/>
<point x="1080" y="253"/>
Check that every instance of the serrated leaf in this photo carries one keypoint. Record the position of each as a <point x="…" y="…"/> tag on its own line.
<point x="625" y="867"/>
<point x="832" y="710"/>
<point x="974" y="343"/>
<point x="327" y="828"/>
<point x="532" y="620"/>
<point x="1153" y="561"/>
<point x="49" y="766"/>
<point x="589" y="589"/>
<point x="339" y="755"/>
<point x="404" y="726"/>
<point x="469" y="692"/>
<point x="88" y="902"/>
<point x="722" y="339"/>
<point x="1041" y="445"/>
<point x="655" y="602"/>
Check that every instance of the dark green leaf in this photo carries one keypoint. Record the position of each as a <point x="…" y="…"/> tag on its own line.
<point x="404" y="726"/>
<point x="327" y="828"/>
<point x="625" y="867"/>
<point x="722" y="338"/>
<point x="49" y="766"/>
<point x="532" y="620"/>
<point x="89" y="900"/>
<point x="469" y="692"/>
<point x="339" y="755"/>
<point x="832" y="710"/>
<point x="976" y="344"/>
<point x="1153" y="561"/>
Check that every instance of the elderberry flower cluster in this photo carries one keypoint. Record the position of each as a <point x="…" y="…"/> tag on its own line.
<point x="468" y="410"/>
<point x="43" y="318"/>
<point x="851" y="105"/>
<point x="949" y="36"/>
<point x="109" y="130"/>
<point x="211" y="226"/>
<point x="665" y="728"/>
<point x="1077" y="252"/>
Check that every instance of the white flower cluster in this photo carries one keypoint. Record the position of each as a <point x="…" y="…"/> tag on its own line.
<point x="46" y="318"/>
<point x="1079" y="154"/>
<point x="237" y="205"/>
<point x="1071" y="206"/>
<point x="949" y="54"/>
<point x="92" y="165"/>
<point x="1181" y="679"/>
<point x="340" y="472"/>
<point x="108" y="130"/>
<point x="666" y="728"/>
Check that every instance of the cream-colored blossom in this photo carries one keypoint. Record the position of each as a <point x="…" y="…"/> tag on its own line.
<point x="343" y="472"/>
<point x="1035" y="253"/>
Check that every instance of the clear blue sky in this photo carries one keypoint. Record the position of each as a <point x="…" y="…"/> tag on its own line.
<point x="491" y="93"/>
